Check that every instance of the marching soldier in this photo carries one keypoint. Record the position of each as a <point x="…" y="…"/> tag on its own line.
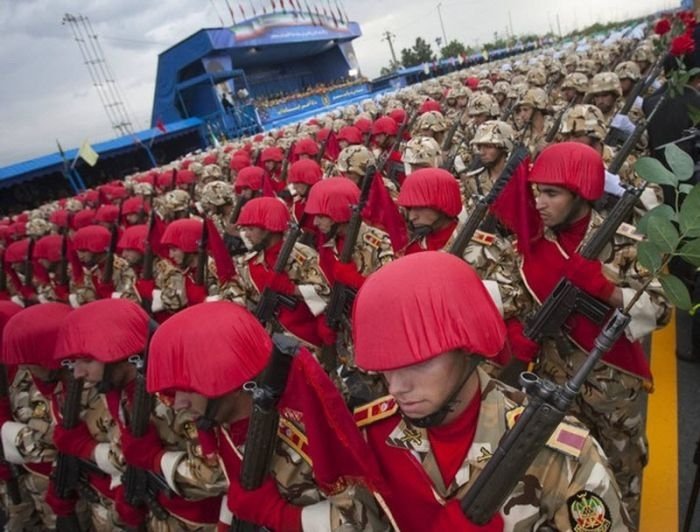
<point x="532" y="120"/>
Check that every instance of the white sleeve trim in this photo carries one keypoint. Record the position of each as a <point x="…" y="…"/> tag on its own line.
<point x="643" y="315"/>
<point x="116" y="295"/>
<point x="316" y="517"/>
<point x="168" y="465"/>
<point x="225" y="515"/>
<point x="10" y="431"/>
<point x="315" y="302"/>
<point x="495" y="293"/>
<point x="104" y="463"/>
<point x="210" y="299"/>
<point x="73" y="300"/>
<point x="157" y="302"/>
<point x="17" y="300"/>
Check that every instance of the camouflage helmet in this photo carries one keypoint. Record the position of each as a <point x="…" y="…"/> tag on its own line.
<point x="535" y="98"/>
<point x="584" y="120"/>
<point x="494" y="132"/>
<point x="173" y="201"/>
<point x="143" y="189"/>
<point x="431" y="121"/>
<point x="628" y="70"/>
<point x="434" y="90"/>
<point x="518" y="79"/>
<point x="577" y="81"/>
<point x="501" y="87"/>
<point x="571" y="61"/>
<point x="586" y="66"/>
<point x="503" y="75"/>
<point x="74" y="205"/>
<point x="459" y="92"/>
<point x="211" y="172"/>
<point x="354" y="159"/>
<point x="517" y="90"/>
<point x="422" y="150"/>
<point x="196" y="167"/>
<point x="537" y="77"/>
<point x="216" y="194"/>
<point x="643" y="54"/>
<point x="37" y="227"/>
<point x="605" y="82"/>
<point x="482" y="103"/>
<point x="485" y="85"/>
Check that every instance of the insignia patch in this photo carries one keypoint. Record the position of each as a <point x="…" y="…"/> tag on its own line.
<point x="376" y="410"/>
<point x="412" y="436"/>
<point x="372" y="240"/>
<point x="568" y="439"/>
<point x="588" y="512"/>
<point x="629" y="231"/>
<point x="484" y="238"/>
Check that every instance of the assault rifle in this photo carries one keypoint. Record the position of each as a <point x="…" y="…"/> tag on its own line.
<point x="547" y="405"/>
<point x="141" y="487"/>
<point x="508" y="111"/>
<point x="408" y="123"/>
<point x="29" y="264"/>
<point x="108" y="271"/>
<point x="147" y="273"/>
<point x="62" y="273"/>
<point x="549" y="137"/>
<point x="200" y="276"/>
<point x="342" y="295"/>
<point x="271" y="300"/>
<point x="466" y="232"/>
<point x="264" y="420"/>
<point x="12" y="483"/>
<point x="322" y="149"/>
<point x="449" y="138"/>
<point x="234" y="243"/>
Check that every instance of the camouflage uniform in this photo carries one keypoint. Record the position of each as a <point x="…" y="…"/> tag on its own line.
<point x="610" y="404"/>
<point x="171" y="281"/>
<point x="533" y="140"/>
<point x="480" y="105"/>
<point x="422" y="152"/>
<point x="123" y="277"/>
<point x="562" y="478"/>
<point x="214" y="196"/>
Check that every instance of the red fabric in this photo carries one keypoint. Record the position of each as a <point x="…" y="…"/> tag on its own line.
<point x="144" y="452"/>
<point x="625" y="355"/>
<point x="17" y="251"/>
<point x="225" y="270"/>
<point x="104" y="290"/>
<point x="571" y="165"/>
<point x="305" y="171"/>
<point x="83" y="218"/>
<point x="187" y="177"/>
<point x="333" y="198"/>
<point x="515" y="208"/>
<point x="48" y="247"/>
<point x="305" y="146"/>
<point x="588" y="275"/>
<point x="350" y="134"/>
<point x="7" y="310"/>
<point x="183" y="234"/>
<point x="211" y="158"/>
<point x="107" y="214"/>
<point x="93" y="238"/>
<point x="238" y="162"/>
<point x="263" y="506"/>
<point x="268" y="213"/>
<point x="166" y="180"/>
<point x="235" y="346"/>
<point x="160" y="126"/>
<point x="76" y="441"/>
<point x="434" y="241"/>
<point x="272" y="153"/>
<point x="59" y="218"/>
<point x="145" y="288"/>
<point x="155" y="237"/>
<point x="451" y="442"/>
<point x="399" y="115"/>
<point x="521" y="346"/>
<point x="382" y="212"/>
<point x="464" y="319"/>
<point x="249" y="177"/>
<point x="432" y="187"/>
<point x="60" y="507"/>
<point x="364" y="125"/>
<point x="195" y="293"/>
<point x="409" y="494"/>
<point x="385" y="125"/>
<point x="347" y="274"/>
<point x="106" y="330"/>
<point x="134" y="237"/>
<point x="429" y="105"/>
<point x="332" y="147"/>
<point x="278" y="282"/>
<point x="131" y="516"/>
<point x="30" y="336"/>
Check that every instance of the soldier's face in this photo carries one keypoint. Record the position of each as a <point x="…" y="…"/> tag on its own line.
<point x="300" y="189"/>
<point x="462" y="101"/>
<point x="480" y="119"/>
<point x="132" y="219"/>
<point x="132" y="256"/>
<point x="605" y="101"/>
<point x="490" y="154"/>
<point x="177" y="256"/>
<point x="86" y="258"/>
<point x="421" y="389"/>
<point x="324" y="223"/>
<point x="254" y="235"/>
<point x="89" y="369"/>
<point x="422" y="216"/>
<point x="524" y="113"/>
<point x="553" y="204"/>
<point x="190" y="402"/>
<point x="626" y="85"/>
<point x="569" y="94"/>
<point x="270" y="165"/>
<point x="379" y="139"/>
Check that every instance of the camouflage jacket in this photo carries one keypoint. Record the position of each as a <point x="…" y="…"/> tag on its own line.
<point x="372" y="249"/>
<point x="170" y="294"/>
<point x="568" y="486"/>
<point x="535" y="142"/>
<point x="123" y="279"/>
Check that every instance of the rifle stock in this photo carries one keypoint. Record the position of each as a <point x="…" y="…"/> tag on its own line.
<point x="200" y="277"/>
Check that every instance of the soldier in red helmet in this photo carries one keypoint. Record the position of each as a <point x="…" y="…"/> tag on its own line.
<point x="271" y="159"/>
<point x="445" y="416"/>
<point x="303" y="175"/>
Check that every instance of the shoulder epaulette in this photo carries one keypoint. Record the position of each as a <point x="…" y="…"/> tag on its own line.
<point x="567" y="438"/>
<point x="484" y="238"/>
<point x="372" y="239"/>
<point x="290" y="434"/>
<point x="377" y="410"/>
<point x="629" y="231"/>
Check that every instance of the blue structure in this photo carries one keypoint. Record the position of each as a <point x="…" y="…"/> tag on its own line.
<point x="269" y="55"/>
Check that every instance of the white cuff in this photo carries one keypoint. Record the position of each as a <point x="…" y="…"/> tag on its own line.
<point x="643" y="315"/>
<point x="495" y="293"/>
<point x="649" y="198"/>
<point x="73" y="300"/>
<point x="168" y="465"/>
<point x="10" y="431"/>
<point x="225" y="515"/>
<point x="17" y="300"/>
<point x="209" y="299"/>
<point x="105" y="464"/>
<point x="42" y="299"/>
<point x="316" y="517"/>
<point x="116" y="295"/>
<point x="315" y="302"/>
<point x="157" y="301"/>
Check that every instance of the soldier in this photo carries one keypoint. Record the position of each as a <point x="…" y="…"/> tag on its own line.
<point x="216" y="201"/>
<point x="574" y="88"/>
<point x="431" y="124"/>
<point x="481" y="107"/>
<point x="629" y="74"/>
<point x="173" y="205"/>
<point x="17" y="265"/>
<point x="605" y="90"/>
<point x="353" y="162"/>
<point x="303" y="175"/>
<point x="568" y="179"/>
<point x="349" y="136"/>
<point x="494" y="141"/>
<point x="532" y="120"/>
<point x="102" y="341"/>
<point x="92" y="246"/>
<point x="445" y="416"/>
<point x="422" y="152"/>
<point x="135" y="210"/>
<point x="271" y="158"/>
<point x="263" y="222"/>
<point x="51" y="269"/>
<point x="227" y="347"/>
<point x="305" y="149"/>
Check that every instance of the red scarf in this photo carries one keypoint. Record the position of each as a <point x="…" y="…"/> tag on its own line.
<point x="435" y="241"/>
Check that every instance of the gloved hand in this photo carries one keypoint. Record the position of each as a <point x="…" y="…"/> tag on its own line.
<point x="131" y="516"/>
<point x="76" y="441"/>
<point x="28" y="293"/>
<point x="328" y="336"/>
<point x="61" y="292"/>
<point x="279" y="282"/>
<point x="195" y="293"/>
<point x="264" y="506"/>
<point x="104" y="290"/>
<point x="61" y="507"/>
<point x="522" y="347"/>
<point x="145" y="288"/>
<point x="623" y="122"/>
<point x="144" y="452"/>
<point x="452" y="518"/>
<point x="347" y="274"/>
<point x="588" y="275"/>
<point x="612" y="184"/>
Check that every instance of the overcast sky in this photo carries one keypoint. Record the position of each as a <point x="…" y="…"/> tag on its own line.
<point x="46" y="92"/>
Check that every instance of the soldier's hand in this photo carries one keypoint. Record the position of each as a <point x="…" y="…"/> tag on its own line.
<point x="76" y="441"/>
<point x="263" y="506"/>
<point x="588" y="275"/>
<point x="144" y="452"/>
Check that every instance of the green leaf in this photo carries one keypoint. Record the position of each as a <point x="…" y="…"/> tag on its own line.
<point x="694" y="114"/>
<point x="649" y="256"/>
<point x="690" y="252"/>
<point x="680" y="162"/>
<point x="663" y="211"/>
<point x="689" y="216"/>
<point x="676" y="291"/>
<point x="653" y="171"/>
<point x="663" y="234"/>
<point x="685" y="188"/>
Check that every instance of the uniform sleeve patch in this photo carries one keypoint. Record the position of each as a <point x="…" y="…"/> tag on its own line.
<point x="375" y="411"/>
<point x="588" y="512"/>
<point x="568" y="439"/>
<point x="484" y="238"/>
